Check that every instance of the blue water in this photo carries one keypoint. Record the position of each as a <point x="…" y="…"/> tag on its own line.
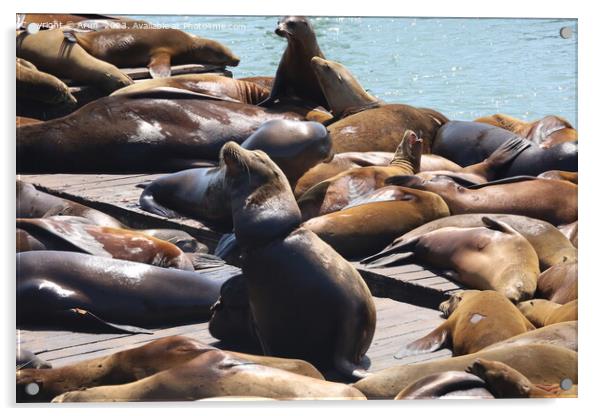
<point x="465" y="68"/>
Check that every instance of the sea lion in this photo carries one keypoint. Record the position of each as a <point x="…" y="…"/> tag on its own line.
<point x="475" y="320"/>
<point x="373" y="221"/>
<point x="545" y="199"/>
<point x="562" y="334"/>
<point x="546" y="132"/>
<point x="262" y="81"/>
<point x="559" y="283"/>
<point x="135" y="364"/>
<point x="64" y="233"/>
<point x="551" y="246"/>
<point x="212" y="374"/>
<point x="27" y="359"/>
<point x="202" y="193"/>
<point x="281" y="258"/>
<point x="156" y="48"/>
<point x="492" y="257"/>
<point x="294" y="76"/>
<point x="50" y="52"/>
<point x="467" y="143"/>
<point x="38" y="86"/>
<point x="542" y="312"/>
<point x="571" y="231"/>
<point x="541" y="364"/>
<point x="150" y="132"/>
<point x="341" y="190"/>
<point x="58" y="287"/>
<point x="507" y="383"/>
<point x="212" y="85"/>
<point x="560" y="175"/>
<point x="442" y="385"/>
<point x="368" y="124"/>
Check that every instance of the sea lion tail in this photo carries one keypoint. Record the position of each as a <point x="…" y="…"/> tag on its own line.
<point x="507" y="152"/>
<point x="393" y="255"/>
<point x="147" y="202"/>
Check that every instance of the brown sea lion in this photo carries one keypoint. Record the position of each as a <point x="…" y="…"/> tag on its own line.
<point x="214" y="86"/>
<point x="41" y="87"/>
<point x="341" y="190"/>
<point x="367" y="124"/>
<point x="545" y="199"/>
<point x="492" y="257"/>
<point x="551" y="246"/>
<point x="560" y="175"/>
<point x="294" y="76"/>
<point x="542" y="312"/>
<point x="546" y="132"/>
<point x="50" y="52"/>
<point x="262" y="81"/>
<point x="135" y="364"/>
<point x="444" y="385"/>
<point x="562" y="334"/>
<point x="212" y="374"/>
<point x="467" y="143"/>
<point x="156" y="48"/>
<point x="202" y="193"/>
<point x="475" y="320"/>
<point x="571" y="231"/>
<point x="559" y="283"/>
<point x="507" y="383"/>
<point x="541" y="364"/>
<point x="64" y="233"/>
<point x="62" y="288"/>
<point x="151" y="132"/>
<point x="288" y="267"/>
<point x="373" y="221"/>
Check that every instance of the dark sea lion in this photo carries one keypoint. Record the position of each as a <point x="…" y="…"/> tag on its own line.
<point x="440" y="385"/>
<point x="541" y="364"/>
<point x="156" y="48"/>
<point x="368" y="124"/>
<point x="475" y="320"/>
<point x="146" y="133"/>
<point x="545" y="199"/>
<point x="71" y="234"/>
<point x="547" y="132"/>
<point x="294" y="76"/>
<point x="202" y="193"/>
<point x="571" y="231"/>
<point x="50" y="52"/>
<point x="559" y="283"/>
<point x="562" y="334"/>
<point x="341" y="190"/>
<point x="467" y="143"/>
<point x="212" y="85"/>
<point x="507" y="383"/>
<point x="491" y="257"/>
<point x="27" y="359"/>
<point x="41" y="87"/>
<point x="135" y="364"/>
<point x="560" y="175"/>
<point x="551" y="246"/>
<point x="288" y="268"/>
<point x="54" y="286"/>
<point x="542" y="312"/>
<point x="373" y="222"/>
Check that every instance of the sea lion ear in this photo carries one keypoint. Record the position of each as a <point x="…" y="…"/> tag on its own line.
<point x="160" y="65"/>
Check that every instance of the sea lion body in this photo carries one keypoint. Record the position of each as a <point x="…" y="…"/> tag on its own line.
<point x="156" y="48"/>
<point x="142" y="134"/>
<point x="289" y="267"/>
<point x="493" y="258"/>
<point x="546" y="364"/>
<point x="212" y="85"/>
<point x="562" y="334"/>
<point x="441" y="385"/>
<point x="542" y="312"/>
<point x="50" y="52"/>
<point x="560" y="175"/>
<point x="41" y="87"/>
<point x="375" y="220"/>
<point x="571" y="231"/>
<point x="476" y="320"/>
<point x="467" y="143"/>
<point x="559" y="283"/>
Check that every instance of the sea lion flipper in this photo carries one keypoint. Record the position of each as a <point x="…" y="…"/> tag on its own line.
<point x="507" y="152"/>
<point x="498" y="225"/>
<point x="433" y="341"/>
<point x="392" y="255"/>
<point x="512" y="179"/>
<point x="92" y="322"/>
<point x="160" y="65"/>
<point x="147" y="202"/>
<point x="204" y="261"/>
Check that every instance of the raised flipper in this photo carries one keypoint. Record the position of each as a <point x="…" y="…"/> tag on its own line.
<point x="508" y="151"/>
<point x="202" y="261"/>
<point x="147" y="202"/>
<point x="160" y="65"/>
<point x="431" y="342"/>
<point x="399" y="253"/>
<point x="545" y="127"/>
<point x="512" y="179"/>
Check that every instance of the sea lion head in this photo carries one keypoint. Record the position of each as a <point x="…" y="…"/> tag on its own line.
<point x="537" y="310"/>
<point x="294" y="28"/>
<point x="503" y="380"/>
<point x="263" y="205"/>
<point x="409" y="152"/>
<point x="207" y="51"/>
<point x="343" y="92"/>
<point x="449" y="306"/>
